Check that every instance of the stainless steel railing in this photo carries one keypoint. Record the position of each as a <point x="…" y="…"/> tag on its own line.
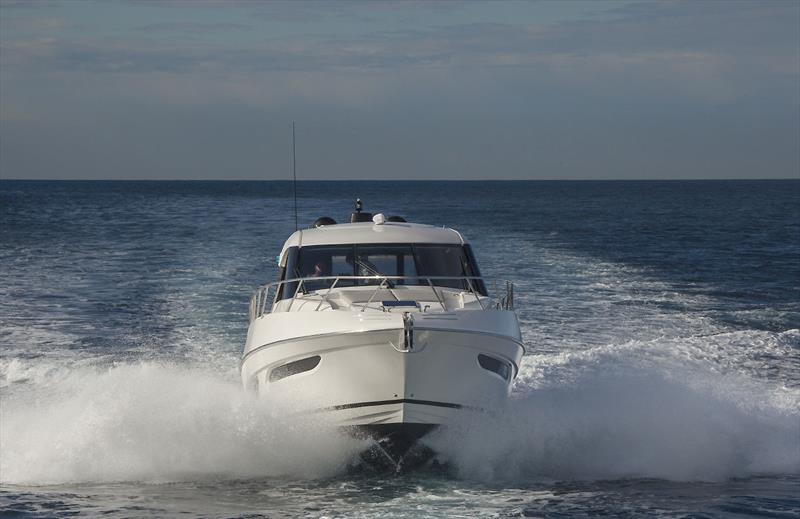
<point x="266" y="295"/>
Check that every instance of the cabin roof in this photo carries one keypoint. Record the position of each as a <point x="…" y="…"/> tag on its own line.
<point x="368" y="232"/>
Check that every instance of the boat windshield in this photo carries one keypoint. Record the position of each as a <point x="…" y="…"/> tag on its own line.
<point x="408" y="260"/>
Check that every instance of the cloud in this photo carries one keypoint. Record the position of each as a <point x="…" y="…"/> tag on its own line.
<point x="193" y="28"/>
<point x="746" y="32"/>
<point x="306" y="11"/>
<point x="729" y="75"/>
<point x="28" y="4"/>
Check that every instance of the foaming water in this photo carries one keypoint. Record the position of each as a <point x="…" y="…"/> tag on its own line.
<point x="635" y="410"/>
<point x="622" y="419"/>
<point x="156" y="422"/>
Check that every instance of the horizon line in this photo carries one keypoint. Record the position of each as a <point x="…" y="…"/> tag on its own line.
<point x="398" y="180"/>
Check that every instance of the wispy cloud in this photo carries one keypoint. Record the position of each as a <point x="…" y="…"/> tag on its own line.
<point x="435" y="60"/>
<point x="202" y="28"/>
<point x="743" y="30"/>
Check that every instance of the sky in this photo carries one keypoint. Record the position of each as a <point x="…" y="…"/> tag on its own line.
<point x="411" y="90"/>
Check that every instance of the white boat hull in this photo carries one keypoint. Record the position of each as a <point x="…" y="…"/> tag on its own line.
<point x="368" y="374"/>
<point x="384" y="329"/>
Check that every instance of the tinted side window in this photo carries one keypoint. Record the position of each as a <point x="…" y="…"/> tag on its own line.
<point x="289" y="272"/>
<point x="442" y="260"/>
<point x="472" y="268"/>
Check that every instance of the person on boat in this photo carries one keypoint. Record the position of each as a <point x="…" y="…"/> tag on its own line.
<point x="319" y="270"/>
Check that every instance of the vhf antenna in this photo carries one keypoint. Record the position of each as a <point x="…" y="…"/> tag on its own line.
<point x="294" y="177"/>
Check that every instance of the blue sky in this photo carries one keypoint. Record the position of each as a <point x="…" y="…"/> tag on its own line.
<point x="193" y="89"/>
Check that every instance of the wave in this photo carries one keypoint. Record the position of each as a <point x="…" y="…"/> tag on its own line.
<point x="670" y="408"/>
<point x="655" y="409"/>
<point x="158" y="422"/>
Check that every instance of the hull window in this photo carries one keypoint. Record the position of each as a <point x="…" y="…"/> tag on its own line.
<point x="496" y="366"/>
<point x="293" y="368"/>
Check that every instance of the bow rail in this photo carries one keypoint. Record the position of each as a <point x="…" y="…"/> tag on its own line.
<point x="266" y="295"/>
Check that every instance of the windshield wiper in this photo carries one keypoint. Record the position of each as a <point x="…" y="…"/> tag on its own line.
<point x="373" y="270"/>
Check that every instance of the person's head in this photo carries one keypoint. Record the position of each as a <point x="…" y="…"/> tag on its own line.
<point x="319" y="269"/>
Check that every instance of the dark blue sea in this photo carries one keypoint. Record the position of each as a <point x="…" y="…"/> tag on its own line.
<point x="662" y="374"/>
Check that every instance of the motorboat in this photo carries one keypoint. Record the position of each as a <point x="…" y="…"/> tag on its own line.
<point x="386" y="327"/>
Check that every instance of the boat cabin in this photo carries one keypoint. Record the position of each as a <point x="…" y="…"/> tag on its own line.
<point x="366" y="254"/>
<point x="380" y="264"/>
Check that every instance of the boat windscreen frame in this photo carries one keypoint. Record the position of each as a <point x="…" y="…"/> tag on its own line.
<point x="469" y="266"/>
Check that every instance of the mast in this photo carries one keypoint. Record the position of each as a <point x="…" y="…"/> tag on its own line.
<point x="294" y="177"/>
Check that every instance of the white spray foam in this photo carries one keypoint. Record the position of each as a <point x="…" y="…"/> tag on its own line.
<point x="675" y="408"/>
<point x="157" y="422"/>
<point x="613" y="414"/>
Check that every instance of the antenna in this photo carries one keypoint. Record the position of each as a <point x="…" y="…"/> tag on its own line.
<point x="294" y="177"/>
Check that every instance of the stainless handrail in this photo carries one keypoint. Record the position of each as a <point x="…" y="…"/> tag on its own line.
<point x="325" y="297"/>
<point x="382" y="284"/>
<point x="259" y="300"/>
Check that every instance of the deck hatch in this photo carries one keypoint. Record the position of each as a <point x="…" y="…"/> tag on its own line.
<point x="294" y="368"/>
<point x="393" y="304"/>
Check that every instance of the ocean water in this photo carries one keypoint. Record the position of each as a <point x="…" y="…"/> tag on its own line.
<point x="662" y="374"/>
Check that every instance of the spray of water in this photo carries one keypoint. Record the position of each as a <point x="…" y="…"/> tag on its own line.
<point x="155" y="422"/>
<point x="630" y="422"/>
<point x="646" y="409"/>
